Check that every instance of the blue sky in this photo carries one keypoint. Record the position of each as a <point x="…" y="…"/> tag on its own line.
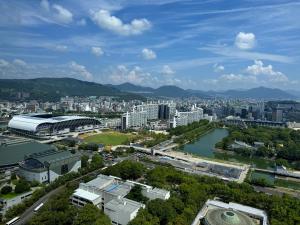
<point x="197" y="44"/>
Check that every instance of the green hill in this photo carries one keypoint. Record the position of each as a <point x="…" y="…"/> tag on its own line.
<point x="51" y="89"/>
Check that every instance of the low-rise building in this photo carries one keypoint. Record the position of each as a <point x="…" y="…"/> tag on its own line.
<point x="109" y="194"/>
<point x="219" y="213"/>
<point x="48" y="165"/>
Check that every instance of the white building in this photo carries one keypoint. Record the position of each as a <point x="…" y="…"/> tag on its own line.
<point x="109" y="194"/>
<point x="185" y="118"/>
<point x="47" y="166"/>
<point x="216" y="212"/>
<point x="135" y="119"/>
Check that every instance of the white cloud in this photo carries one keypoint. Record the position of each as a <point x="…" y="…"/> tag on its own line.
<point x="61" y="48"/>
<point x="231" y="78"/>
<point x="81" y="22"/>
<point x="45" y="5"/>
<point x="245" y="41"/>
<point x="218" y="68"/>
<point x="62" y="14"/>
<point x="97" y="51"/>
<point x="3" y="63"/>
<point x="81" y="70"/>
<point x="105" y="20"/>
<point x="258" y="68"/>
<point x="167" y="70"/>
<point x="234" y="53"/>
<point x="20" y="62"/>
<point x="148" y="54"/>
<point x="135" y="75"/>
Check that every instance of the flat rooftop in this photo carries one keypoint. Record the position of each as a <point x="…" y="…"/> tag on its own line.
<point x="13" y="151"/>
<point x="86" y="194"/>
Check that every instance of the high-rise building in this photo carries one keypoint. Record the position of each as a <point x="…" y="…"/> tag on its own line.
<point x="135" y="119"/>
<point x="277" y="115"/>
<point x="185" y="118"/>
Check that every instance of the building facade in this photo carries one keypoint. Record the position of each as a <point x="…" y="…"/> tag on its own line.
<point x="109" y="194"/>
<point x="185" y="118"/>
<point x="47" y="166"/>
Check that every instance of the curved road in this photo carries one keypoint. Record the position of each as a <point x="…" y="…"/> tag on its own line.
<point x="28" y="214"/>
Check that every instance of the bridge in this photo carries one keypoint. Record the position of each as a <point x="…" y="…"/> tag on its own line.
<point x="284" y="173"/>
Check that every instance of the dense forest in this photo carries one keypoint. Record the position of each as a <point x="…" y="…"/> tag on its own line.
<point x="189" y="193"/>
<point x="278" y="143"/>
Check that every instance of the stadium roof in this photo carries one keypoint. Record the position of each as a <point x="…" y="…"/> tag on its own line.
<point x="12" y="153"/>
<point x="29" y="122"/>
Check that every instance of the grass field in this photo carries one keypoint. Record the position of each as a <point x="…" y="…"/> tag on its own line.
<point x="109" y="138"/>
<point x="287" y="183"/>
<point x="9" y="195"/>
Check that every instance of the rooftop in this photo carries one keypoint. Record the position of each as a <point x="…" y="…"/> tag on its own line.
<point x="14" y="152"/>
<point x="86" y="194"/>
<point x="124" y="205"/>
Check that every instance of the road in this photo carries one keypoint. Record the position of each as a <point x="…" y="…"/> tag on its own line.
<point x="28" y="214"/>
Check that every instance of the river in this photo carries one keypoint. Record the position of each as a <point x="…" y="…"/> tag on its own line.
<point x="205" y="145"/>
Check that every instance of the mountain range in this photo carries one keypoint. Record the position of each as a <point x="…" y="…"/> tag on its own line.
<point x="51" y="89"/>
<point x="174" y="91"/>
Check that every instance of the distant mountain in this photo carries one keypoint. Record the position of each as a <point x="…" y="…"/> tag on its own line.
<point x="171" y="91"/>
<point x="51" y="89"/>
<point x="163" y="91"/>
<point x="176" y="92"/>
<point x="128" y="87"/>
<point x="258" y="93"/>
<point x="294" y="92"/>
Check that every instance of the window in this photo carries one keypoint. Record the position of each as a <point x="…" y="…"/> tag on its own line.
<point x="64" y="169"/>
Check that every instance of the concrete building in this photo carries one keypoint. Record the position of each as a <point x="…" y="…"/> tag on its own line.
<point x="6" y="203"/>
<point x="14" y="149"/>
<point x="185" y="118"/>
<point x="277" y="115"/>
<point x="219" y="213"/>
<point x="135" y="119"/>
<point x="109" y="194"/>
<point x="41" y="125"/>
<point x="48" y="165"/>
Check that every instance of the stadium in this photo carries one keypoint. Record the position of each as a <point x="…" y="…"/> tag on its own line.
<point x="42" y="125"/>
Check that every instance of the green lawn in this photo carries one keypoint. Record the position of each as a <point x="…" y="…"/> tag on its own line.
<point x="9" y="195"/>
<point x="287" y="184"/>
<point x="109" y="138"/>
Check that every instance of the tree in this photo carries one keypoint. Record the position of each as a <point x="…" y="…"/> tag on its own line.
<point x="97" y="161"/>
<point x="126" y="170"/>
<point x="6" y="189"/>
<point x="84" y="161"/>
<point x="22" y="186"/>
<point x="136" y="194"/>
<point x="90" y="214"/>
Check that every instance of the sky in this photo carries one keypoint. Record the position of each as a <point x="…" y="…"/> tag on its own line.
<point x="193" y="44"/>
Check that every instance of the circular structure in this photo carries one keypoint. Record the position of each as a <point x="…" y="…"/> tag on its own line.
<point x="226" y="217"/>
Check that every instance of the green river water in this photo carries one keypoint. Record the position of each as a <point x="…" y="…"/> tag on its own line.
<point x="205" y="145"/>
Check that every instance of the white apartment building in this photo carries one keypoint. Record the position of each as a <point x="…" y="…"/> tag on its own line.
<point x="185" y="118"/>
<point x="150" y="109"/>
<point x="135" y="119"/>
<point x="109" y="194"/>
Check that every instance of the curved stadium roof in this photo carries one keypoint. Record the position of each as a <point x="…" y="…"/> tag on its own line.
<point x="30" y="122"/>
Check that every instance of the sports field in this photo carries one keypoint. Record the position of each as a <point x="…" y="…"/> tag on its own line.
<point x="109" y="138"/>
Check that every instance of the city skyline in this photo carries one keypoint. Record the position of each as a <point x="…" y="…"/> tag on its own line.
<point x="206" y="45"/>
